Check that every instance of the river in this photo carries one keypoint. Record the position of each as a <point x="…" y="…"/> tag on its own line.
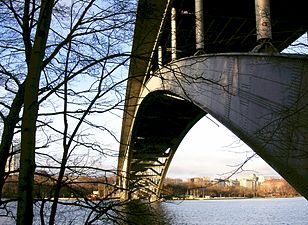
<point x="270" y="211"/>
<point x="291" y="211"/>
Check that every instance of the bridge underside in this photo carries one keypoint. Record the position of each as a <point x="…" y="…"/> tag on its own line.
<point x="162" y="121"/>
<point x="229" y="26"/>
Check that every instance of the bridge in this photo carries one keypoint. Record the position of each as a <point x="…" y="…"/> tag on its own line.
<point x="219" y="57"/>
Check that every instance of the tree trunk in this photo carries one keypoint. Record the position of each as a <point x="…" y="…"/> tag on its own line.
<point x="8" y="132"/>
<point x="28" y="132"/>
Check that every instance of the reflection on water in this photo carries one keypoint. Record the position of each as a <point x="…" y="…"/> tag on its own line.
<point x="141" y="212"/>
<point x="136" y="212"/>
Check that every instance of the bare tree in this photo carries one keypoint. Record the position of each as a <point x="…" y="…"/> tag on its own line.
<point x="30" y="111"/>
<point x="63" y="43"/>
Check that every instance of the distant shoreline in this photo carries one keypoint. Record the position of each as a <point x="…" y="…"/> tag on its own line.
<point x="231" y="198"/>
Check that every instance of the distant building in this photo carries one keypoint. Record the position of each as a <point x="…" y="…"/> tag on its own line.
<point x="274" y="184"/>
<point x="221" y="182"/>
<point x="13" y="161"/>
<point x="265" y="178"/>
<point x="233" y="183"/>
<point x="251" y="183"/>
<point x="199" y="181"/>
<point x="173" y="181"/>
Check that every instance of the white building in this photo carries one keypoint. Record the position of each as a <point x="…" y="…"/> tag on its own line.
<point x="251" y="183"/>
<point x="13" y="162"/>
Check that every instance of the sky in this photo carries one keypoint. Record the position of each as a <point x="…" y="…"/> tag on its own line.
<point x="211" y="150"/>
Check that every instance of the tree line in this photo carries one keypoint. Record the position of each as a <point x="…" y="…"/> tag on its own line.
<point x="76" y="187"/>
<point x="213" y="189"/>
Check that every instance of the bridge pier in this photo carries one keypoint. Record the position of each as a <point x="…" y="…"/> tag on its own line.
<point x="173" y="34"/>
<point x="199" y="14"/>
<point x="263" y="20"/>
<point x="264" y="27"/>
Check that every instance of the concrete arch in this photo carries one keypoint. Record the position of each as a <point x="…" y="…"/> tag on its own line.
<point x="262" y="99"/>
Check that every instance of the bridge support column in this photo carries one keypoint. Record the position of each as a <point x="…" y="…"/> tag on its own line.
<point x="173" y="33"/>
<point x="199" y="26"/>
<point x="123" y="179"/>
<point x="263" y="20"/>
<point x="160" y="56"/>
<point x="263" y="27"/>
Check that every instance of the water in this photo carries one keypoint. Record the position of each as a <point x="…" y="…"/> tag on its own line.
<point x="239" y="212"/>
<point x="288" y="211"/>
<point x="292" y="211"/>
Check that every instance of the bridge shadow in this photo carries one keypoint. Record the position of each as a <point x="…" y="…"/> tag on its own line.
<point x="140" y="212"/>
